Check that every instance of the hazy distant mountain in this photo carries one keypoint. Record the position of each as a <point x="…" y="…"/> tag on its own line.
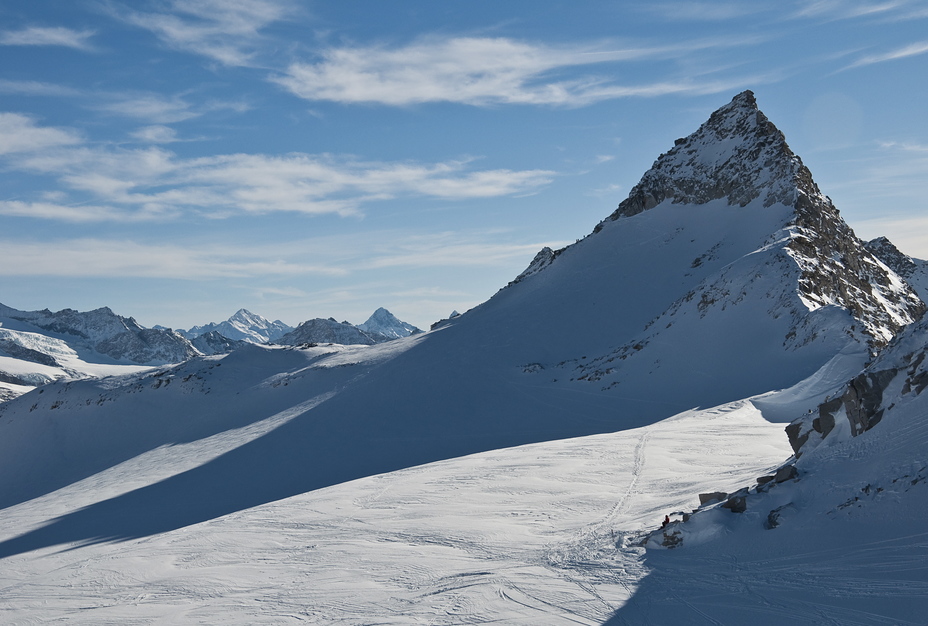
<point x="243" y="326"/>
<point x="384" y="323"/>
<point x="321" y="330"/>
<point x="37" y="347"/>
<point x="104" y="332"/>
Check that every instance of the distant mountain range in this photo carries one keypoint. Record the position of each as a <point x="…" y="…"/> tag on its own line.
<point x="37" y="347"/>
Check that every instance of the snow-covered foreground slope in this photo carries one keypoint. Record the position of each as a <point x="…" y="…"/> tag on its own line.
<point x="539" y="534"/>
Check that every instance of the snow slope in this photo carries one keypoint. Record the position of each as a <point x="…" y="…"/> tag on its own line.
<point x="537" y="534"/>
<point x="476" y="472"/>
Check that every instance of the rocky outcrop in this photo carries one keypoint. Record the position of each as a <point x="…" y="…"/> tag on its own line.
<point x="13" y="349"/>
<point x="883" y="249"/>
<point x="543" y="259"/>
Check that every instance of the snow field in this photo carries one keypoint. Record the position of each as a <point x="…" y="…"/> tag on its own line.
<point x="543" y="533"/>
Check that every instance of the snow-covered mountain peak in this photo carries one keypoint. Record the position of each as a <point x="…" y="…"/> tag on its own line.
<point x="738" y="157"/>
<point x="242" y="326"/>
<point x="736" y="154"/>
<point x="245" y="316"/>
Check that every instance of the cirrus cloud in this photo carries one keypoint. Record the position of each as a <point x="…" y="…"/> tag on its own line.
<point x="484" y="71"/>
<point x="47" y="36"/>
<point x="118" y="184"/>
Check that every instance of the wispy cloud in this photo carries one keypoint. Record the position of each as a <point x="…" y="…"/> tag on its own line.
<point x="227" y="32"/>
<point x="37" y="88"/>
<point x="324" y="256"/>
<point x="127" y="259"/>
<point x="19" y="133"/>
<point x="704" y="11"/>
<point x="481" y="72"/>
<point x="155" y="134"/>
<point x="910" y="50"/>
<point x="145" y="183"/>
<point x="151" y="107"/>
<point x="53" y="36"/>
<point x="68" y="213"/>
<point x="849" y="9"/>
<point x="450" y="249"/>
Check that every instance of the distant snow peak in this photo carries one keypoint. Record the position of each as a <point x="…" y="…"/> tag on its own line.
<point x="384" y="323"/>
<point x="243" y="326"/>
<point x="321" y="330"/>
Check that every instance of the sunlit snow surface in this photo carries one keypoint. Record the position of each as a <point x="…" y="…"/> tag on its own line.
<point x="543" y="533"/>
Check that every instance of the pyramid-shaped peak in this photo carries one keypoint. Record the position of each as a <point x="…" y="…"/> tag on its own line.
<point x="737" y="154"/>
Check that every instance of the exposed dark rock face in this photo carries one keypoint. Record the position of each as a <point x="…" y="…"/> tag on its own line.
<point x="715" y="496"/>
<point x="543" y="259"/>
<point x="883" y="249"/>
<point x="148" y="345"/>
<point x="863" y="401"/>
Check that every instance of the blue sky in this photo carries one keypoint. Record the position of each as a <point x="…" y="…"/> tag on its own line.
<point x="178" y="160"/>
